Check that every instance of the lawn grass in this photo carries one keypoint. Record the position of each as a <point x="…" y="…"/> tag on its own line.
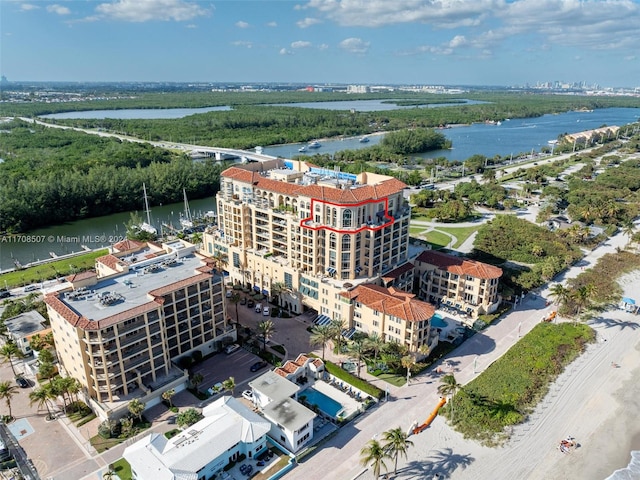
<point x="437" y="239"/>
<point x="103" y="444"/>
<point x="393" y="378"/>
<point x="51" y="270"/>
<point x="122" y="469"/>
<point x="461" y="233"/>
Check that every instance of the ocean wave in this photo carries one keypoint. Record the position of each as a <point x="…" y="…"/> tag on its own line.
<point x="632" y="472"/>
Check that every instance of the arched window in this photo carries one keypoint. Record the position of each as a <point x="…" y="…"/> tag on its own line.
<point x="333" y="239"/>
<point x="346" y="242"/>
<point x="346" y="218"/>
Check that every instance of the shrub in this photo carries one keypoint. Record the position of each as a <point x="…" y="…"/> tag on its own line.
<point x="196" y="355"/>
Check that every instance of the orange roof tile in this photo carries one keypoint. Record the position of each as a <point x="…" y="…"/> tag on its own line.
<point x="281" y="372"/>
<point x="459" y="265"/>
<point x="394" y="302"/>
<point x="158" y="292"/>
<point x="76" y="277"/>
<point x="126" y="245"/>
<point x="301" y="360"/>
<point x="110" y="261"/>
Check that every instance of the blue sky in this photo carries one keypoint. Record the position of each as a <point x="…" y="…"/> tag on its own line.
<point x="422" y="42"/>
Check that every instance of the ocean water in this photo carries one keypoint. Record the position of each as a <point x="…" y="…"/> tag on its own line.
<point x="632" y="472"/>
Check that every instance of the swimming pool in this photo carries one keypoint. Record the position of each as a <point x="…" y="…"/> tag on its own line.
<point x="327" y="405"/>
<point x="438" y="322"/>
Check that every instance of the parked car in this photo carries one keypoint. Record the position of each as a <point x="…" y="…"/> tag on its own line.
<point x="266" y="311"/>
<point x="22" y="382"/>
<point x="258" y="307"/>
<point x="243" y="301"/>
<point x="229" y="349"/>
<point x="30" y="288"/>
<point x="257" y="366"/>
<point x="229" y="294"/>
<point x="250" y="303"/>
<point x="5" y="293"/>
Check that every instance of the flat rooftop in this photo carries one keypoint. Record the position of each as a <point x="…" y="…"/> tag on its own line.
<point x="118" y="294"/>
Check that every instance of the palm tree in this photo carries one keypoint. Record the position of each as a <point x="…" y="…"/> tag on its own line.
<point x="373" y="452"/>
<point x="629" y="229"/>
<point x="358" y="350"/>
<point x="41" y="396"/>
<point x="337" y="327"/>
<point x="582" y="298"/>
<point x="559" y="293"/>
<point x="229" y="384"/>
<point x="408" y="361"/>
<point x="235" y="299"/>
<point x="266" y="330"/>
<point x="219" y="260"/>
<point x="449" y="387"/>
<point x="278" y="288"/>
<point x="397" y="443"/>
<point x="7" y="391"/>
<point x="136" y="407"/>
<point x="196" y="380"/>
<point x="376" y="343"/>
<point x="168" y="395"/>
<point x="8" y="352"/>
<point x="320" y="335"/>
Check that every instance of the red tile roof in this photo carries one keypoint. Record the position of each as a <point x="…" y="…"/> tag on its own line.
<point x="331" y="194"/>
<point x="126" y="245"/>
<point x="111" y="261"/>
<point x="158" y="292"/>
<point x="459" y="265"/>
<point x="390" y="301"/>
<point x="76" y="277"/>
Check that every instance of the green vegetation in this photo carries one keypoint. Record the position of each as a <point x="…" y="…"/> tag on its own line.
<point x="51" y="176"/>
<point x="510" y="387"/>
<point x="358" y="383"/>
<point x="461" y="233"/>
<point x="51" y="270"/>
<point x="404" y="142"/>
<point x="535" y="254"/>
<point x="437" y="239"/>
<point x="123" y="469"/>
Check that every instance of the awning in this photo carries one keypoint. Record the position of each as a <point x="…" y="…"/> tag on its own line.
<point x="256" y="288"/>
<point x="331" y="270"/>
<point x="629" y="301"/>
<point x="265" y="293"/>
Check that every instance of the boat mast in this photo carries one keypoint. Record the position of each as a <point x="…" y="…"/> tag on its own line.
<point x="187" y="210"/>
<point x="146" y="204"/>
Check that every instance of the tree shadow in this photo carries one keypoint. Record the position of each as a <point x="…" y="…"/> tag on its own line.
<point x="613" y="323"/>
<point x="442" y="462"/>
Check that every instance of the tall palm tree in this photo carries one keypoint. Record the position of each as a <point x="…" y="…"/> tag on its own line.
<point x="337" y="327"/>
<point x="397" y="444"/>
<point x="559" y="293"/>
<point x="7" y="391"/>
<point x="358" y="350"/>
<point x="8" y="352"/>
<point x="320" y="335"/>
<point x="41" y="396"/>
<point x="408" y="361"/>
<point x="235" y="299"/>
<point x="168" y="396"/>
<point x="374" y="453"/>
<point x="229" y="384"/>
<point x="266" y="330"/>
<point x="277" y="289"/>
<point x="628" y="228"/>
<point x="136" y="407"/>
<point x="449" y="386"/>
<point x="376" y="343"/>
<point x="581" y="298"/>
<point x="220" y="260"/>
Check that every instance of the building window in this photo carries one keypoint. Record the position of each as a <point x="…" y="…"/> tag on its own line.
<point x="346" y="218"/>
<point x="288" y="280"/>
<point x="236" y="260"/>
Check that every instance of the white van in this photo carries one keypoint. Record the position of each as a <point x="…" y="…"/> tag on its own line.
<point x="266" y="311"/>
<point x="258" y="307"/>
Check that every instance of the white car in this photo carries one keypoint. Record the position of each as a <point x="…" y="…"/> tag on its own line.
<point x="248" y="395"/>
<point x="229" y="349"/>
<point x="266" y="311"/>
<point x="229" y="294"/>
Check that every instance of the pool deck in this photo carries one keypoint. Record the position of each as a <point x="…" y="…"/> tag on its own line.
<point x="350" y="405"/>
<point x="449" y="332"/>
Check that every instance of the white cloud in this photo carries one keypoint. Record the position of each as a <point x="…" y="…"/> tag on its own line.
<point x="458" y="41"/>
<point x="301" y="44"/>
<point x="355" y="45"/>
<point x="27" y="6"/>
<point x="272" y="24"/>
<point x="191" y="25"/>
<point x="242" y="43"/>
<point x="242" y="24"/>
<point x="284" y="51"/>
<point x="149" y="10"/>
<point x="323" y="46"/>
<point x="59" y="9"/>
<point x="307" y="22"/>
<point x="630" y="58"/>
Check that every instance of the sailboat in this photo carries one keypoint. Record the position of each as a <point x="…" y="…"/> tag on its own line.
<point x="185" y="219"/>
<point x="146" y="226"/>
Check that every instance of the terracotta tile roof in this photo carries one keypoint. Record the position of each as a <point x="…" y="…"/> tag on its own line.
<point x="126" y="245"/>
<point x="330" y="194"/>
<point x="394" y="302"/>
<point x="398" y="272"/>
<point x="281" y="372"/>
<point x="459" y="265"/>
<point x="158" y="292"/>
<point x="301" y="360"/>
<point x="81" y="276"/>
<point x="318" y="363"/>
<point x="110" y="261"/>
<point x="290" y="367"/>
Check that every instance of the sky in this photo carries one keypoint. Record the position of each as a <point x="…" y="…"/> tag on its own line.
<point x="375" y="42"/>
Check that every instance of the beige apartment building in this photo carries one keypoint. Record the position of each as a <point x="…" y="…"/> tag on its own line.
<point x="395" y="315"/>
<point x="119" y="330"/>
<point x="469" y="286"/>
<point x="317" y="232"/>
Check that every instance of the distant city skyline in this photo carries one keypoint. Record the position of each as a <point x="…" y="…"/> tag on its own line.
<point x="423" y="42"/>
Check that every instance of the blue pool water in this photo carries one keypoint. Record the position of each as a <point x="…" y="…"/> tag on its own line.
<point x="438" y="322"/>
<point x="326" y="404"/>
